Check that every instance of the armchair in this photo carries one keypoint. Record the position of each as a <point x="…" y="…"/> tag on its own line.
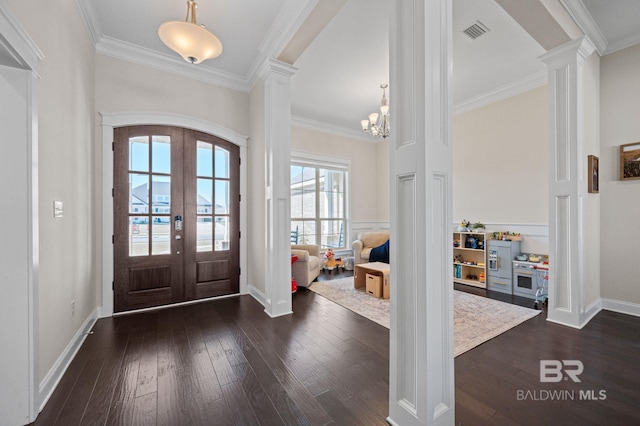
<point x="307" y="268"/>
<point x="365" y="242"/>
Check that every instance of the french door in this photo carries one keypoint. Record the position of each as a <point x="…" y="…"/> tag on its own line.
<point x="176" y="216"/>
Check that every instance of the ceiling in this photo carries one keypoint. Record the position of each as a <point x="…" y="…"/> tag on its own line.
<point x="339" y="73"/>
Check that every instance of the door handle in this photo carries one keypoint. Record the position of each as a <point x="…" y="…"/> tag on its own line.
<point x="177" y="223"/>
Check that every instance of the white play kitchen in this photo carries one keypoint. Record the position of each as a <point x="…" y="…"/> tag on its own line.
<point x="494" y="261"/>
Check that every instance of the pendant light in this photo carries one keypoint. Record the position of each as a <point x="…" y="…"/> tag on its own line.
<point x="191" y="41"/>
<point x="378" y="124"/>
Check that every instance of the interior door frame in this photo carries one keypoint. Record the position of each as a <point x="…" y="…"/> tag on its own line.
<point x="109" y="121"/>
<point x="15" y="41"/>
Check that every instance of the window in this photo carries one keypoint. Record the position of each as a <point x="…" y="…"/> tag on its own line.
<point x="318" y="202"/>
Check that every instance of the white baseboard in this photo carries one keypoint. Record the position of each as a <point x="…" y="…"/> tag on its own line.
<point x="621" y="307"/>
<point x="590" y="312"/>
<point x="258" y="295"/>
<point x="51" y="380"/>
<point x="391" y="422"/>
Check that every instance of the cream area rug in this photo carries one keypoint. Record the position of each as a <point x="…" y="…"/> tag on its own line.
<point x="476" y="319"/>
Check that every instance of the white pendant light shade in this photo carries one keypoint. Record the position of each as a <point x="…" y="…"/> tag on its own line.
<point x="191" y="41"/>
<point x="365" y="125"/>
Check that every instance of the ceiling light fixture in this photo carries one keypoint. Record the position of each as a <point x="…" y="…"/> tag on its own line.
<point x="191" y="41"/>
<point x="378" y="124"/>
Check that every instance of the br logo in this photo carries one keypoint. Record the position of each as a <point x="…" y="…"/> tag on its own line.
<point x="554" y="371"/>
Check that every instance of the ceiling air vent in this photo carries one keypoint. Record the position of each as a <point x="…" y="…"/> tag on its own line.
<point x="476" y="30"/>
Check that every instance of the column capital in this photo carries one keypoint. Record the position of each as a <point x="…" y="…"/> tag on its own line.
<point x="271" y="65"/>
<point x="583" y="47"/>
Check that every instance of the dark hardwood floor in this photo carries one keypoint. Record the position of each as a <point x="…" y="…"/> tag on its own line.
<point x="496" y="295"/>
<point x="225" y="362"/>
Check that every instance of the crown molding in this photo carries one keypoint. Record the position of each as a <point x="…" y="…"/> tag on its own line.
<point x="623" y="44"/>
<point x="581" y="16"/>
<point x="90" y="19"/>
<point x="533" y="81"/>
<point x="139" y="55"/>
<point x="17" y="42"/>
<point x="271" y="65"/>
<point x="290" y="18"/>
<point x="581" y="46"/>
<point x="319" y="126"/>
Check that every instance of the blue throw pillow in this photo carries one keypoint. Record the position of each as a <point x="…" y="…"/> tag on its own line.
<point x="380" y="253"/>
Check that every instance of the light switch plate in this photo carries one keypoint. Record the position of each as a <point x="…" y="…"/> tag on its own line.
<point x="57" y="209"/>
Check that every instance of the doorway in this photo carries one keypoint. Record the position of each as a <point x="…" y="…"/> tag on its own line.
<point x="176" y="216"/>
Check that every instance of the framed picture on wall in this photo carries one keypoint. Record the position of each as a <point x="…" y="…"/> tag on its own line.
<point x="594" y="170"/>
<point x="630" y="161"/>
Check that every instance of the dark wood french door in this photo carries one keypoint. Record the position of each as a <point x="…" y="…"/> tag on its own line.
<point x="176" y="216"/>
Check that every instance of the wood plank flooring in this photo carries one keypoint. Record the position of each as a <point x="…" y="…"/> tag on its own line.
<point x="226" y="362"/>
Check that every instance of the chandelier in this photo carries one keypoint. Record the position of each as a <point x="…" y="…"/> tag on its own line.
<point x="378" y="124"/>
<point x="191" y="41"/>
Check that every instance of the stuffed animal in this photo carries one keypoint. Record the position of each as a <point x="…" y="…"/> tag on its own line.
<point x="329" y="254"/>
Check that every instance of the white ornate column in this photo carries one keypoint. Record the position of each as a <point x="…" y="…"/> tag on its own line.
<point x="277" y="128"/>
<point x="421" y="370"/>
<point x="567" y="186"/>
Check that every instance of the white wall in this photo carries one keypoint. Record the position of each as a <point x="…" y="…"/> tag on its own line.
<point x="124" y="86"/>
<point x="591" y="220"/>
<point x="620" y="200"/>
<point x="66" y="129"/>
<point x="500" y="165"/>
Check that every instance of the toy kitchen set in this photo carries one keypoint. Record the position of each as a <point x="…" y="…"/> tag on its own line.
<point x="495" y="262"/>
<point x="529" y="273"/>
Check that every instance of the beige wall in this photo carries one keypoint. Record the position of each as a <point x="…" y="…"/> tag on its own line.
<point x="256" y="226"/>
<point x="66" y="129"/>
<point x="620" y="200"/>
<point x="124" y="86"/>
<point x="369" y="171"/>
<point x="383" y="180"/>
<point x="591" y="225"/>
<point x="500" y="164"/>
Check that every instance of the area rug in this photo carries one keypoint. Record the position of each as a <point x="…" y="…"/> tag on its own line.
<point x="476" y="319"/>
